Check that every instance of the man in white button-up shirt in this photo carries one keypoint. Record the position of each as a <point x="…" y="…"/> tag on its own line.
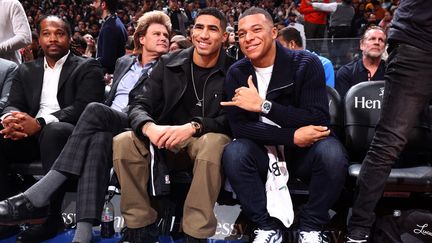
<point x="46" y="99"/>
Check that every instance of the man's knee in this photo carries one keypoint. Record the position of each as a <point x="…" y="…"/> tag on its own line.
<point x="214" y="140"/>
<point x="332" y="156"/>
<point x="94" y="107"/>
<point x="56" y="130"/>
<point x="122" y="142"/>
<point x="237" y="154"/>
<point x="210" y="147"/>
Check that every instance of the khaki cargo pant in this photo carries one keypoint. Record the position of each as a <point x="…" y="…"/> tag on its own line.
<point x="130" y="158"/>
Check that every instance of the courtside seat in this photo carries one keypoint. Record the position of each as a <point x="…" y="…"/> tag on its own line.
<point x="33" y="168"/>
<point x="362" y="105"/>
<point x="335" y="107"/>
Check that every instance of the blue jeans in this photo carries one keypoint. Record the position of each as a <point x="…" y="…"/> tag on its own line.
<point x="408" y="90"/>
<point x="323" y="166"/>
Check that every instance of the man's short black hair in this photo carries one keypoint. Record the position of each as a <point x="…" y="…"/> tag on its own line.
<point x="67" y="26"/>
<point x="111" y="5"/>
<point x="215" y="13"/>
<point x="256" y="10"/>
<point x="291" y="34"/>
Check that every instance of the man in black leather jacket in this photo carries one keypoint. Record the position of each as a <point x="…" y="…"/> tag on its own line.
<point x="178" y="112"/>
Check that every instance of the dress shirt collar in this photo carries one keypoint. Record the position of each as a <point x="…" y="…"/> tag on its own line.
<point x="60" y="62"/>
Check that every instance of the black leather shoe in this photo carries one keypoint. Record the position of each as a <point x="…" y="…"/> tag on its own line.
<point x="147" y="234"/>
<point x="38" y="233"/>
<point x="18" y="209"/>
<point x="191" y="239"/>
<point x="8" y="231"/>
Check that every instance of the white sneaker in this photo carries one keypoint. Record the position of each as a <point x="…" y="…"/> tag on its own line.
<point x="267" y="236"/>
<point x="312" y="237"/>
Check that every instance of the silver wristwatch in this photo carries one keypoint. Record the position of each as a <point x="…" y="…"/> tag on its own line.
<point x="266" y="107"/>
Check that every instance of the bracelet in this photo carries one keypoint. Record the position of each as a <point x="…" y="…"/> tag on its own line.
<point x="195" y="125"/>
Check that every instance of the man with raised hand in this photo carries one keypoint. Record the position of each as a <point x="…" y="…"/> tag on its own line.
<point x="277" y="107"/>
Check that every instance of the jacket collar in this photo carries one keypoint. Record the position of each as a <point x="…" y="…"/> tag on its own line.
<point x="283" y="71"/>
<point x="67" y="69"/>
<point x="184" y="59"/>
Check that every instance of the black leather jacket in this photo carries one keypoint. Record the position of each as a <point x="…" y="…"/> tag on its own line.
<point x="165" y="87"/>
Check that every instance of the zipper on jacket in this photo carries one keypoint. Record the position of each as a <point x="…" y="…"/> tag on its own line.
<point x="276" y="89"/>
<point x="205" y="83"/>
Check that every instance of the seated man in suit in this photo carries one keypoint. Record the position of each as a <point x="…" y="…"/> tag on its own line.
<point x="367" y="68"/>
<point x="87" y="153"/>
<point x="46" y="99"/>
<point x="7" y="72"/>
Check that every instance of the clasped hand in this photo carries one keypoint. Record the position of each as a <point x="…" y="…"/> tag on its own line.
<point x="19" y="125"/>
<point x="246" y="98"/>
<point x="168" y="136"/>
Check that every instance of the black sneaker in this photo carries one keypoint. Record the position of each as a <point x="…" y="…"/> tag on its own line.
<point x="147" y="234"/>
<point x="191" y="239"/>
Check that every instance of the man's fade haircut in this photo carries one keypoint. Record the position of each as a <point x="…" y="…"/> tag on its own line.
<point x="66" y="25"/>
<point x="215" y="13"/>
<point x="373" y="27"/>
<point x="111" y="5"/>
<point x="149" y="18"/>
<point x="256" y="10"/>
<point x="291" y="34"/>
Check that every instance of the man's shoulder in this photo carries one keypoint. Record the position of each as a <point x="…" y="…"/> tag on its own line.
<point x="177" y="58"/>
<point x="81" y="60"/>
<point x="6" y="64"/>
<point x="32" y="65"/>
<point x="351" y="65"/>
<point x="241" y="64"/>
<point x="127" y="58"/>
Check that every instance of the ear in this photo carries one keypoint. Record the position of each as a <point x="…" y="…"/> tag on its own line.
<point x="142" y="39"/>
<point x="224" y="37"/>
<point x="361" y="45"/>
<point x="274" y="33"/>
<point x="291" y="45"/>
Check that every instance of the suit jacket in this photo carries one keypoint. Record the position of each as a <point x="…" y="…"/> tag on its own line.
<point x="122" y="66"/>
<point x="7" y="72"/>
<point x="81" y="82"/>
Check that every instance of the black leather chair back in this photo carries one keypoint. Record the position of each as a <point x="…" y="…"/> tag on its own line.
<point x="362" y="105"/>
<point x="335" y="107"/>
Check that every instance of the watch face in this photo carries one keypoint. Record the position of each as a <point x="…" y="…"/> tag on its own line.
<point x="267" y="106"/>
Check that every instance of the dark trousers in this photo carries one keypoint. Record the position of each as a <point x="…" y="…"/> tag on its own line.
<point x="46" y="146"/>
<point x="408" y="90"/>
<point x="88" y="155"/>
<point x="313" y="31"/>
<point x="323" y="166"/>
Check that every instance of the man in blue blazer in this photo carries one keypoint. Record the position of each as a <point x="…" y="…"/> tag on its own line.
<point x="7" y="72"/>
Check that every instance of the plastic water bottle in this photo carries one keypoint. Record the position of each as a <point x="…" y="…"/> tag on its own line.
<point x="107" y="220"/>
